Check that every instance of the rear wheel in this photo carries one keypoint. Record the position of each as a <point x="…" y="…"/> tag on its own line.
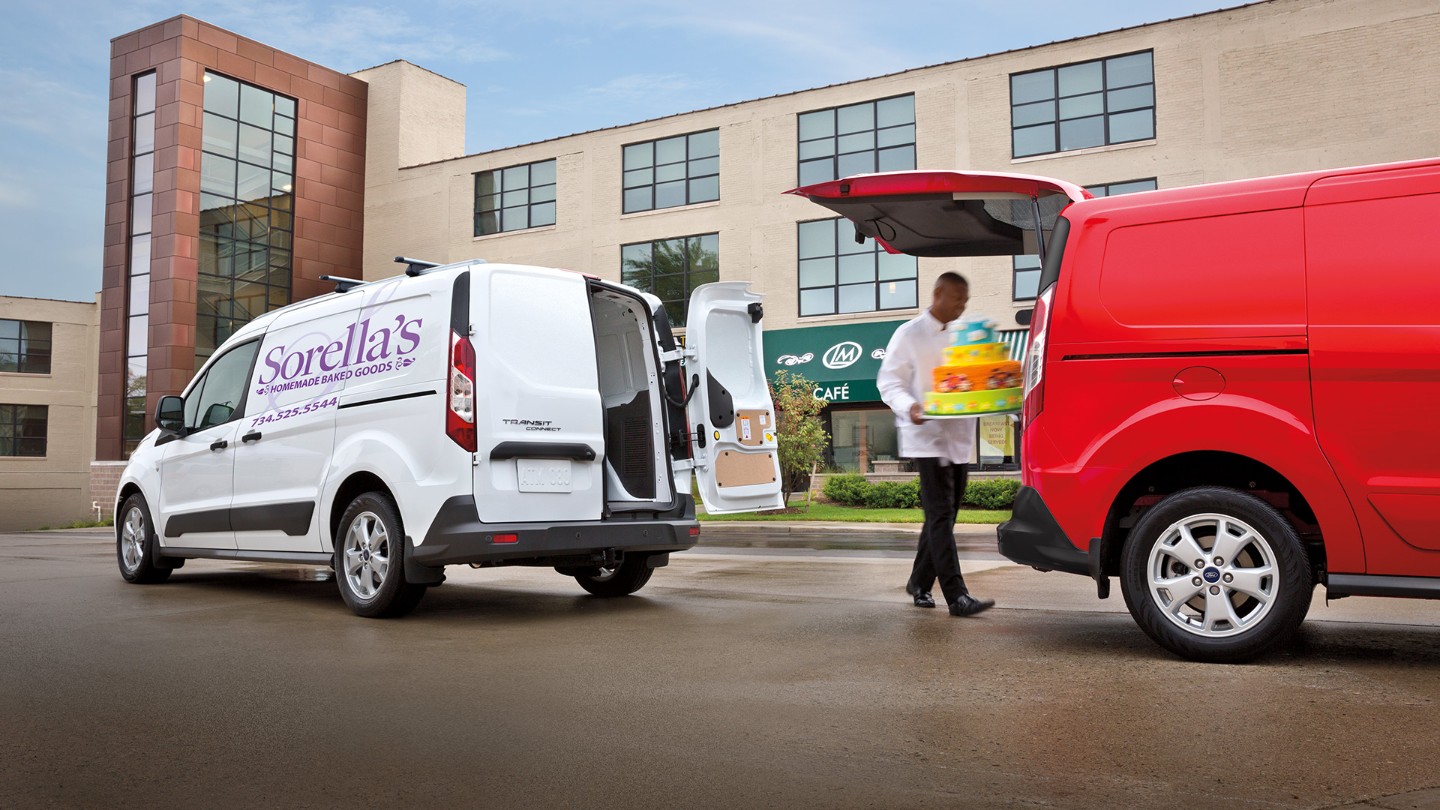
<point x="628" y="577"/>
<point x="135" y="544"/>
<point x="370" y="559"/>
<point x="1214" y="574"/>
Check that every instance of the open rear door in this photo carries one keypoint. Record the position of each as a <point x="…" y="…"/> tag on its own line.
<point x="949" y="213"/>
<point x="737" y="458"/>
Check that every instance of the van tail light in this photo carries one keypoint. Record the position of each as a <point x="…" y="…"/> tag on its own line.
<point x="1035" y="357"/>
<point x="460" y="400"/>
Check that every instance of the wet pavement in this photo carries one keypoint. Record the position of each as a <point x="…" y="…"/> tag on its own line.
<point x="740" y="677"/>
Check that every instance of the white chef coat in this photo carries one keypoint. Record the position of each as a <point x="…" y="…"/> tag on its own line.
<point x="915" y="349"/>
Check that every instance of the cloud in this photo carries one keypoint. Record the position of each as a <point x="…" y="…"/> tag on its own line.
<point x="643" y="86"/>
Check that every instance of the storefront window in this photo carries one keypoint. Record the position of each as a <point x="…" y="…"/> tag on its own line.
<point x="859" y="438"/>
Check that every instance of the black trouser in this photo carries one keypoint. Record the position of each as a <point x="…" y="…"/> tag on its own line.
<point x="942" y="489"/>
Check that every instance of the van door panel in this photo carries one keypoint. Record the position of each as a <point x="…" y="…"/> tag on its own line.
<point x="1375" y="357"/>
<point x="536" y="385"/>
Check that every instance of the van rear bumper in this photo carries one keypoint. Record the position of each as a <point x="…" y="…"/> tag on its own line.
<point x="457" y="537"/>
<point x="1033" y="537"/>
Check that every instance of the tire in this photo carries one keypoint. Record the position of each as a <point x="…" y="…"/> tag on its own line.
<point x="1254" y="574"/>
<point x="630" y="576"/>
<point x="136" y="544"/>
<point x="370" y="559"/>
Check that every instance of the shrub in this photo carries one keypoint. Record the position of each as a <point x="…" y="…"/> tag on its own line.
<point x="992" y="493"/>
<point x="848" y="489"/>
<point x="893" y="495"/>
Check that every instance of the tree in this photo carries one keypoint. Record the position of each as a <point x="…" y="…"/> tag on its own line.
<point x="798" y="430"/>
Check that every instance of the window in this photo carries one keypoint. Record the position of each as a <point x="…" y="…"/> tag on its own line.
<point x="674" y="171"/>
<point x="137" y="306"/>
<point x="516" y="198"/>
<point x="1081" y="105"/>
<point x="247" y="203"/>
<point x="838" y="274"/>
<point x="218" y="397"/>
<point x="873" y="136"/>
<point x="24" y="347"/>
<point x="671" y="268"/>
<point x="23" y="429"/>
<point x="1027" y="268"/>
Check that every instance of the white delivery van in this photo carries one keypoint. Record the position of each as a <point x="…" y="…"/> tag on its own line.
<point x="476" y="413"/>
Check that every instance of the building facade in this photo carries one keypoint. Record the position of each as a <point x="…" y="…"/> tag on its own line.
<point x="670" y="203"/>
<point x="47" y="411"/>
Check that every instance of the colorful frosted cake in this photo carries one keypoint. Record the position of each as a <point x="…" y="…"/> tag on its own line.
<point x="977" y="375"/>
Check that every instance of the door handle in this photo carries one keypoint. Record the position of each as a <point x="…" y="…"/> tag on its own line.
<point x="252" y="436"/>
<point x="219" y="445"/>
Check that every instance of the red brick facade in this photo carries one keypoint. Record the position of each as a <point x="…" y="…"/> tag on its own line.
<point x="329" y="191"/>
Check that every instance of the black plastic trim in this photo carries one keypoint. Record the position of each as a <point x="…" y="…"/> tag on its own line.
<point x="722" y="404"/>
<point x="291" y="518"/>
<point x="295" y="557"/>
<point x="457" y="536"/>
<point x="411" y="395"/>
<point x="1141" y="355"/>
<point x="1378" y="585"/>
<point x="577" y="451"/>
<point x="1033" y="537"/>
<point x="211" y="520"/>
<point x="460" y="304"/>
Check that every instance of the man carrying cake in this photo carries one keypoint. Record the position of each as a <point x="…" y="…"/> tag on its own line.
<point x="940" y="448"/>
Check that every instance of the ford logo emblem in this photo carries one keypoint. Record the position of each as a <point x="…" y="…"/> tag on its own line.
<point x="1212" y="574"/>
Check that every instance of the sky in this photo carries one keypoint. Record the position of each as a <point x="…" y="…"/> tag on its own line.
<point x="533" y="70"/>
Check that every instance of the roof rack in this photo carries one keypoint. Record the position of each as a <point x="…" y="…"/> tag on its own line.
<point x="414" y="267"/>
<point x="343" y="285"/>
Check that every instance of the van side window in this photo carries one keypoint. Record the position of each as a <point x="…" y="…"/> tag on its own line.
<point x="216" y="399"/>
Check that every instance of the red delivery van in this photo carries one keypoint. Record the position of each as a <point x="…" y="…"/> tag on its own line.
<point x="1231" y="389"/>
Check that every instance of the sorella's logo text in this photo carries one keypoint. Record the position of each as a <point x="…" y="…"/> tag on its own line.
<point x="842" y="355"/>
<point x="362" y="350"/>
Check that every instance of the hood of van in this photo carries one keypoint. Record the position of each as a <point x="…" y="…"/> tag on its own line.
<point x="928" y="213"/>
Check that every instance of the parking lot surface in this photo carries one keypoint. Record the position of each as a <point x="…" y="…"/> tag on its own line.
<point x="757" y="677"/>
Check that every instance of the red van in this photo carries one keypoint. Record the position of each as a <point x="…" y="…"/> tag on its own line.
<point x="1232" y="391"/>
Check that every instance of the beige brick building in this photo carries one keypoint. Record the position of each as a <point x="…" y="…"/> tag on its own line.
<point x="1266" y="88"/>
<point x="48" y="357"/>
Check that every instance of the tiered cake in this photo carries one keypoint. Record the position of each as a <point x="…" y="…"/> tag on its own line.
<point x="977" y="375"/>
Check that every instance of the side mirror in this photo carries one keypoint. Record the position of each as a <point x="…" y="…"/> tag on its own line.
<point x="170" y="414"/>
<point x="217" y="414"/>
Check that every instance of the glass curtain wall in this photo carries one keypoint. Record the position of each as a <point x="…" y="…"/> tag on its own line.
<point x="137" y="308"/>
<point x="247" y="202"/>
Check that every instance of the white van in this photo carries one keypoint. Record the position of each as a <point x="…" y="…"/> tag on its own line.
<point x="477" y="413"/>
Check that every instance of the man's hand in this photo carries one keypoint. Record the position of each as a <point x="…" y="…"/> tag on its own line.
<point x="917" y="414"/>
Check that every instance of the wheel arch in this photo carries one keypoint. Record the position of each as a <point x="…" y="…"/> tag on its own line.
<point x="1209" y="468"/>
<point x="355" y="484"/>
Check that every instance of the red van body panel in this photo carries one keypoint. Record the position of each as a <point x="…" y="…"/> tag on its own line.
<point x="1374" y="302"/>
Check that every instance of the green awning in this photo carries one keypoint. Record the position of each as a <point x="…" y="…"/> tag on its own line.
<point x="842" y="360"/>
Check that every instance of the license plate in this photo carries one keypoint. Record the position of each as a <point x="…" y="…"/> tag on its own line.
<point x="547" y="475"/>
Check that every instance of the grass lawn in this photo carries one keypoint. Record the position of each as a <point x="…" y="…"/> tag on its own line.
<point x="836" y="512"/>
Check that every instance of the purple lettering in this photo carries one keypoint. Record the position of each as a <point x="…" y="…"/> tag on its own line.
<point x="325" y="364"/>
<point x="410" y="330"/>
<point x="273" y="364"/>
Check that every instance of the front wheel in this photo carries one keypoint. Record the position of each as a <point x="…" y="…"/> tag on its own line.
<point x="1215" y="574"/>
<point x="370" y="559"/>
<point x="628" y="577"/>
<point x="135" y="544"/>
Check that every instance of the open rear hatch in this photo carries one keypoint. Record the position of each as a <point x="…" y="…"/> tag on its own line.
<point x="925" y="213"/>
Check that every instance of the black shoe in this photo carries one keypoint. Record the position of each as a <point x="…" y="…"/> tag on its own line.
<point x="968" y="605"/>
<point x="922" y="598"/>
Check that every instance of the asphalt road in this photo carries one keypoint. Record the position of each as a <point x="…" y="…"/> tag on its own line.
<point x="738" y="678"/>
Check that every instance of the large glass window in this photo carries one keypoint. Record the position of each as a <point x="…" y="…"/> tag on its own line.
<point x="1087" y="104"/>
<point x="839" y="274"/>
<point x="674" y="171"/>
<point x="137" y="304"/>
<point x="515" y="198"/>
<point x="1027" y="268"/>
<point x="859" y="438"/>
<point x="25" y="347"/>
<point x="23" y="429"/>
<point x="872" y="136"/>
<point x="247" y="204"/>
<point x="671" y="268"/>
